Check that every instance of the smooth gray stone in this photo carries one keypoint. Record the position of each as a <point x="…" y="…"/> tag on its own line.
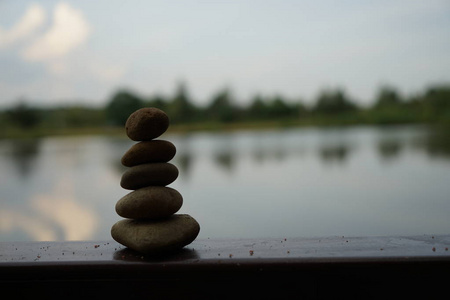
<point x="149" y="152"/>
<point x="156" y="236"/>
<point x="146" y="124"/>
<point x="153" y="174"/>
<point x="153" y="202"/>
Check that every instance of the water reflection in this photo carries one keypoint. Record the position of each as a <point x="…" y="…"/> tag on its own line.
<point x="390" y="149"/>
<point x="224" y="153"/>
<point x="56" y="215"/>
<point x="23" y="154"/>
<point x="184" y="159"/>
<point x="309" y="181"/>
<point x="273" y="146"/>
<point x="334" y="153"/>
<point x="225" y="160"/>
<point x="436" y="143"/>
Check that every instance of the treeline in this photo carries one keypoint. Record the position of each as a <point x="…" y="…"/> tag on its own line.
<point x="331" y="107"/>
<point x="222" y="107"/>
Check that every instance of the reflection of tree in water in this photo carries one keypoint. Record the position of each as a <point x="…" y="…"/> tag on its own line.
<point x="225" y="159"/>
<point x="280" y="153"/>
<point x="389" y="148"/>
<point x="23" y="153"/>
<point x="184" y="163"/>
<point x="334" y="153"/>
<point x="224" y="154"/>
<point x="436" y="142"/>
<point x="261" y="154"/>
<point x="183" y="159"/>
<point x="277" y="150"/>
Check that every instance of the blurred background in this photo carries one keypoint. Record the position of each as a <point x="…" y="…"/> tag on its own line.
<point x="290" y="118"/>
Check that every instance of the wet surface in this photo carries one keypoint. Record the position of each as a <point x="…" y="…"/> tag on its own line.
<point x="359" y="268"/>
<point x="232" y="249"/>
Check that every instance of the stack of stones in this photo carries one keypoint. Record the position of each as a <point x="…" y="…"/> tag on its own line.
<point x="151" y="227"/>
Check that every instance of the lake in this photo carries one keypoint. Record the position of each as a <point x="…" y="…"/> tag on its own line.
<point x="302" y="182"/>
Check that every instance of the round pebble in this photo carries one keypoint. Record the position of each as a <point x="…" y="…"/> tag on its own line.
<point x="156" y="236"/>
<point x="150" y="202"/>
<point x="146" y="124"/>
<point x="153" y="174"/>
<point x="149" y="152"/>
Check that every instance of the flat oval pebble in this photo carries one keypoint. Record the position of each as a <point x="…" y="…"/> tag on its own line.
<point x="151" y="202"/>
<point x="146" y="124"/>
<point x="148" y="152"/>
<point x="159" y="174"/>
<point x="156" y="236"/>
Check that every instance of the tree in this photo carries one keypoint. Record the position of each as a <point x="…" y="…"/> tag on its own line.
<point x="221" y="107"/>
<point x="301" y="109"/>
<point x="81" y="116"/>
<point x="121" y="106"/>
<point x="438" y="97"/>
<point x="158" y="101"/>
<point x="279" y="108"/>
<point x="436" y="103"/>
<point x="258" y="109"/>
<point x="181" y="109"/>
<point x="333" y="101"/>
<point x="23" y="115"/>
<point x="387" y="96"/>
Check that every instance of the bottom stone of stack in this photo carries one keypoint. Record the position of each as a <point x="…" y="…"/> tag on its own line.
<point x="156" y="236"/>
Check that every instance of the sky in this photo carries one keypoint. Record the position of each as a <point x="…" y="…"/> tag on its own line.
<point x="82" y="52"/>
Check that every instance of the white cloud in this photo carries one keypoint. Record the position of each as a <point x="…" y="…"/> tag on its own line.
<point x="53" y="212"/>
<point x="35" y="227"/>
<point x="77" y="222"/>
<point x="68" y="31"/>
<point x="33" y="18"/>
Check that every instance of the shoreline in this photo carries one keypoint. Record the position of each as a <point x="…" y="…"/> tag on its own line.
<point x="15" y="133"/>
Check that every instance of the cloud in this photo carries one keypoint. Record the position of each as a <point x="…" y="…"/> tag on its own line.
<point x="54" y="213"/>
<point x="68" y="31"/>
<point x="76" y="221"/>
<point x="33" y="18"/>
<point x="37" y="228"/>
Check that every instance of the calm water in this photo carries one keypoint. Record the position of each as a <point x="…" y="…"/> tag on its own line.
<point x="299" y="182"/>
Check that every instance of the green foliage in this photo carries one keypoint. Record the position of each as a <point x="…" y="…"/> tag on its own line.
<point x="433" y="106"/>
<point x="121" y="106"/>
<point x="221" y="107"/>
<point x="258" y="109"/>
<point x="333" y="102"/>
<point x="279" y="108"/>
<point x="274" y="109"/>
<point x="158" y="101"/>
<point x="388" y="108"/>
<point x="332" y="107"/>
<point x="23" y="116"/>
<point x="387" y="97"/>
<point x="436" y="103"/>
<point x="74" y="117"/>
<point x="181" y="109"/>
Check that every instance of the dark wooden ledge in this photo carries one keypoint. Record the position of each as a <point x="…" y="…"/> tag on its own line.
<point x="210" y="268"/>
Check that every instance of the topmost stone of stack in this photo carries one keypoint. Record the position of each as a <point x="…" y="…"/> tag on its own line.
<point x="146" y="124"/>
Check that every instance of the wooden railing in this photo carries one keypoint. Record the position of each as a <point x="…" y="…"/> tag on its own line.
<point x="232" y="269"/>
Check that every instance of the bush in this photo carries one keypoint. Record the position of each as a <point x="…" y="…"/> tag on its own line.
<point x="121" y="106"/>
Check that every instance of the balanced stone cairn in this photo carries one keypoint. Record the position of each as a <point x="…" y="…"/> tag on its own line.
<point x="151" y="227"/>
